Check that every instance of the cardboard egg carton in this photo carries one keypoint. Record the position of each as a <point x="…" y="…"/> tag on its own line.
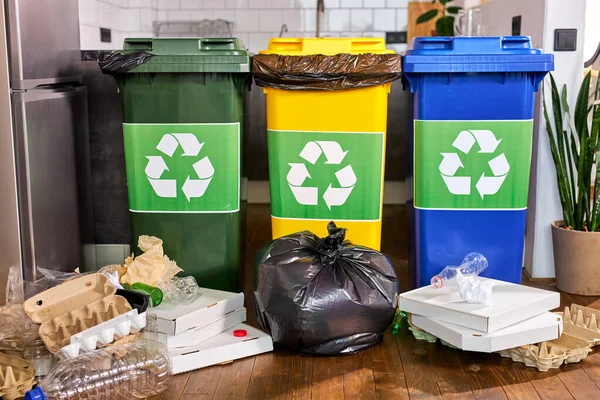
<point x="82" y="314"/>
<point x="583" y="322"/>
<point x="16" y="377"/>
<point x="551" y="354"/>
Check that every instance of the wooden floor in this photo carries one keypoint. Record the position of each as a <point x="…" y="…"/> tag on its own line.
<point x="399" y="368"/>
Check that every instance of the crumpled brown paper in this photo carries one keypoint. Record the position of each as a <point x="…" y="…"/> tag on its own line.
<point x="152" y="266"/>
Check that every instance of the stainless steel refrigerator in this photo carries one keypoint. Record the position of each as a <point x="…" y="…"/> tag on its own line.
<point x="44" y="155"/>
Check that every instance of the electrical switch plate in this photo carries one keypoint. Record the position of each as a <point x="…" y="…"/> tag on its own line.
<point x="395" y="37"/>
<point x="516" y="26"/>
<point x="565" y="39"/>
<point x="105" y="35"/>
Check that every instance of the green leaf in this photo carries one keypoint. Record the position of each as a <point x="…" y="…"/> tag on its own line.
<point x="445" y="26"/>
<point x="558" y="121"/>
<point x="581" y="106"/>
<point x="445" y="1"/>
<point x="563" y="191"/>
<point x="428" y="16"/>
<point x="453" y="9"/>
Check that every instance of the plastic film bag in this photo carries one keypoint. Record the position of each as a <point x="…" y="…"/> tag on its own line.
<point x="320" y="72"/>
<point x="324" y="296"/>
<point x="116" y="62"/>
<point x="17" y="330"/>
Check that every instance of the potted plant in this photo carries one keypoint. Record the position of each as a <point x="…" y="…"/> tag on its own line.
<point x="444" y="26"/>
<point x="574" y="145"/>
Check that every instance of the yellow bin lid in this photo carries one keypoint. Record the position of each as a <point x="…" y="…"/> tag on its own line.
<point x="326" y="46"/>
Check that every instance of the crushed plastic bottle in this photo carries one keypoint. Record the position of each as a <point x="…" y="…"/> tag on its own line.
<point x="181" y="290"/>
<point x="134" y="370"/>
<point x="472" y="265"/>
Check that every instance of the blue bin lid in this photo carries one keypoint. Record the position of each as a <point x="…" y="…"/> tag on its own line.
<point x="475" y="54"/>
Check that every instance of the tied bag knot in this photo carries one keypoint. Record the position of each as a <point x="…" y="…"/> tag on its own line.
<point x="332" y="246"/>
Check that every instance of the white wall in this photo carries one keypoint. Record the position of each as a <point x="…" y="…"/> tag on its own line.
<point x="255" y="21"/>
<point x="125" y="18"/>
<point x="539" y="19"/>
<point x="592" y="29"/>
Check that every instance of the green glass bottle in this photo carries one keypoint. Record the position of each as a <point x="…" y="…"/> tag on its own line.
<point x="156" y="295"/>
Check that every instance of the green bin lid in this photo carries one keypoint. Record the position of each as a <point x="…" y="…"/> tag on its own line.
<point x="189" y="55"/>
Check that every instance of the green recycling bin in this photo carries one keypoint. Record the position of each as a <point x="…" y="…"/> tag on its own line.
<point x="182" y="126"/>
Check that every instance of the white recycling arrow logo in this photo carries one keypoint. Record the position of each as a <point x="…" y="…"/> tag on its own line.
<point x="451" y="163"/>
<point x="333" y="196"/>
<point x="192" y="187"/>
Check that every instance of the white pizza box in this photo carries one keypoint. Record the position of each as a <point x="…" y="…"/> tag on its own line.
<point x="198" y="335"/>
<point x="173" y="319"/>
<point x="221" y="348"/>
<point x="546" y="326"/>
<point x="511" y="303"/>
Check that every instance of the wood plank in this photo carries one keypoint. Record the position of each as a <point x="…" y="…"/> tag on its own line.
<point x="175" y="388"/>
<point x="515" y="382"/>
<point x="419" y="376"/>
<point x="415" y="10"/>
<point x="328" y="378"/>
<point x="578" y="382"/>
<point x="448" y="372"/>
<point x="359" y="382"/>
<point x="387" y="369"/>
<point x="480" y="374"/>
<point x="235" y="380"/>
<point x="301" y="373"/>
<point x="271" y="375"/>
<point x="203" y="382"/>
<point x="591" y="366"/>
<point x="547" y="384"/>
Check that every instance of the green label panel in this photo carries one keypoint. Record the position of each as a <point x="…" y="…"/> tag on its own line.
<point x="183" y="167"/>
<point x="472" y="164"/>
<point x="326" y="175"/>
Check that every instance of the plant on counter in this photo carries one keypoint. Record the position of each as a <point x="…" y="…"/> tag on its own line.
<point x="445" y="24"/>
<point x="574" y="147"/>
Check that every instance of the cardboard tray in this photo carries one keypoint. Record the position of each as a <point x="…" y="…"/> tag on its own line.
<point x="221" y="348"/>
<point x="16" y="376"/>
<point x="205" y="332"/>
<point x="71" y="313"/>
<point x="546" y="326"/>
<point x="210" y="307"/>
<point x="551" y="354"/>
<point x="511" y="303"/>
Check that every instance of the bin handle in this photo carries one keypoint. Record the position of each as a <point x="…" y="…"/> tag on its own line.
<point x="217" y="44"/>
<point x="516" y="42"/>
<point x="138" y="44"/>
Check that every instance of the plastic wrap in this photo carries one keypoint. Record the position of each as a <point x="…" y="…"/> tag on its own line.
<point x="118" y="63"/>
<point x="17" y="330"/>
<point x="320" y="72"/>
<point x="324" y="296"/>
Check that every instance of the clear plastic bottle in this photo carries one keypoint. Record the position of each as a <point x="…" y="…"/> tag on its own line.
<point x="473" y="264"/>
<point x="134" y="370"/>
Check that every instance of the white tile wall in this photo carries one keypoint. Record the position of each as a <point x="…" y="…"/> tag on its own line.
<point x="374" y="3"/>
<point x="255" y="21"/>
<point x="361" y="19"/>
<point x="384" y="20"/>
<point x="191" y="4"/>
<point x="351" y="4"/>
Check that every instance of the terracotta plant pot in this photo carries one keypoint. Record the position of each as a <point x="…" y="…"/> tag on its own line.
<point x="576" y="260"/>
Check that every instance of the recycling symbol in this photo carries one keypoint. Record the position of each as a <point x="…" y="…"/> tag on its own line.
<point x="451" y="163"/>
<point x="333" y="196"/>
<point x="192" y="187"/>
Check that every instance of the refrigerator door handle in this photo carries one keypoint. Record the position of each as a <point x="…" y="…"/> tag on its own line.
<point x="28" y="84"/>
<point x="39" y="95"/>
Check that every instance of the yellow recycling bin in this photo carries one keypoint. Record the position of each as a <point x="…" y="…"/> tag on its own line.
<point x="326" y="121"/>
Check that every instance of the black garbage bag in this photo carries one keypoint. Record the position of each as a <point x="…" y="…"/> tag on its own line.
<point x="324" y="296"/>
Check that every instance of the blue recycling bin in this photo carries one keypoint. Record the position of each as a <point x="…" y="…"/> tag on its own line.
<point x="473" y="107"/>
